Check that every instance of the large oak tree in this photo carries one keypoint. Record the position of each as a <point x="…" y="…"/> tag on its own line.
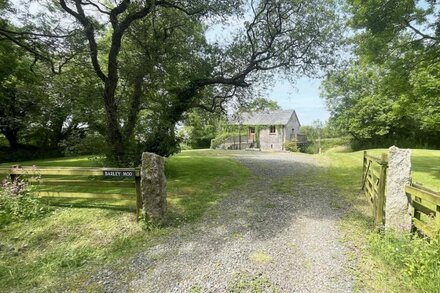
<point x="288" y="36"/>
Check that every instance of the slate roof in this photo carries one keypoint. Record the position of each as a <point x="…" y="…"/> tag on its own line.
<point x="278" y="117"/>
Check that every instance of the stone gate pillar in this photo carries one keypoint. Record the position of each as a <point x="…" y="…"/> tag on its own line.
<point x="153" y="187"/>
<point x="396" y="202"/>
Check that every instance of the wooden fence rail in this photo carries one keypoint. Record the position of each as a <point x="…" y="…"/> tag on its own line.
<point x="425" y="208"/>
<point x="424" y="203"/>
<point x="373" y="184"/>
<point x="49" y="177"/>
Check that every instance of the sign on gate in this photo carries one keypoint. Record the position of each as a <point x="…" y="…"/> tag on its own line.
<point x="116" y="173"/>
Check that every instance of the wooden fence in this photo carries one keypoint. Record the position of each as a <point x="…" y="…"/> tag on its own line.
<point x="373" y="184"/>
<point x="424" y="204"/>
<point x="425" y="208"/>
<point x="47" y="179"/>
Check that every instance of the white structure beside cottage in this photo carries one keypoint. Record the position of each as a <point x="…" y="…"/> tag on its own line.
<point x="268" y="130"/>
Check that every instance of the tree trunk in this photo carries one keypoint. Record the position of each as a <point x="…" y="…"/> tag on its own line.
<point x="135" y="103"/>
<point x="12" y="137"/>
<point x="115" y="138"/>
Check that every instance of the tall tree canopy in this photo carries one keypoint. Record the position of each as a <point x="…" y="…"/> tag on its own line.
<point x="387" y="93"/>
<point x="152" y="55"/>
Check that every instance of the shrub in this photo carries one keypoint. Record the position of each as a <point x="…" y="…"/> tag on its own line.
<point x="17" y="203"/>
<point x="83" y="143"/>
<point x="417" y="259"/>
<point x="185" y="146"/>
<point x="200" y="143"/>
<point x="326" y="144"/>
<point x="221" y="138"/>
<point x="291" y="146"/>
<point x="25" y="153"/>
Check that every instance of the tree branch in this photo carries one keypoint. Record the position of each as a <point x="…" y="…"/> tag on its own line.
<point x="90" y="35"/>
<point x="87" y="2"/>
<point x="37" y="34"/>
<point x="423" y="35"/>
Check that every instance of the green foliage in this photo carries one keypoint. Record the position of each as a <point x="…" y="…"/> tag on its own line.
<point x="155" y="134"/>
<point x="157" y="59"/>
<point x="369" y="104"/>
<point x="25" y="153"/>
<point x="327" y="144"/>
<point x="426" y="81"/>
<point x="259" y="105"/>
<point x="20" y="93"/>
<point x="322" y="136"/>
<point x="416" y="259"/>
<point x="291" y="146"/>
<point x="317" y="129"/>
<point x="16" y="203"/>
<point x="83" y="143"/>
<point x="200" y="127"/>
<point x="223" y="137"/>
<point x="383" y="24"/>
<point x="387" y="92"/>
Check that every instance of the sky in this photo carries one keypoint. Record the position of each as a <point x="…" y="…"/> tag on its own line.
<point x="303" y="96"/>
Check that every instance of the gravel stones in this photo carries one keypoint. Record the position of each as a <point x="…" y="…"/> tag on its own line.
<point x="256" y="240"/>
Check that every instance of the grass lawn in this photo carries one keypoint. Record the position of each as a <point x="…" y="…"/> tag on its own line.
<point x="385" y="263"/>
<point x="61" y="249"/>
<point x="425" y="166"/>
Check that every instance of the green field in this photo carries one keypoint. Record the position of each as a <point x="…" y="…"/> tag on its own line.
<point x="70" y="243"/>
<point x="425" y="167"/>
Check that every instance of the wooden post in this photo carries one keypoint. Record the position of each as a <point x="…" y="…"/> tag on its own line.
<point x="364" y="165"/>
<point x="14" y="176"/>
<point x="138" y="196"/>
<point x="381" y="190"/>
<point x="437" y="217"/>
<point x="239" y="137"/>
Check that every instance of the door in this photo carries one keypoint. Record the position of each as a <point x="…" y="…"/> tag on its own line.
<point x="251" y="134"/>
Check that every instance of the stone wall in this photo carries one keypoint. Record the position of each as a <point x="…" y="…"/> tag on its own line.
<point x="272" y="141"/>
<point x="292" y="124"/>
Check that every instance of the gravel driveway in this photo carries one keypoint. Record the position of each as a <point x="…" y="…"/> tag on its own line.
<point x="277" y="233"/>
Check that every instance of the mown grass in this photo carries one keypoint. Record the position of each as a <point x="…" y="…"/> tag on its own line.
<point x="80" y="161"/>
<point x="62" y="249"/>
<point x="390" y="263"/>
<point x="425" y="165"/>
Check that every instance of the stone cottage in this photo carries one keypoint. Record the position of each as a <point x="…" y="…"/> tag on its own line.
<point x="268" y="130"/>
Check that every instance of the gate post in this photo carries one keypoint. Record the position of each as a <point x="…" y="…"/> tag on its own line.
<point x="381" y="190"/>
<point x="396" y="201"/>
<point x="153" y="187"/>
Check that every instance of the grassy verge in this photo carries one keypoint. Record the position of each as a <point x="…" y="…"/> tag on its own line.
<point x="391" y="263"/>
<point x="63" y="248"/>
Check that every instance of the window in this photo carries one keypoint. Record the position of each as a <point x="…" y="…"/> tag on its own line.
<point x="272" y="130"/>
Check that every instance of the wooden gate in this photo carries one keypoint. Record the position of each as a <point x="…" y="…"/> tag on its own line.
<point x="373" y="184"/>
<point x="425" y="208"/>
<point x="82" y="183"/>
